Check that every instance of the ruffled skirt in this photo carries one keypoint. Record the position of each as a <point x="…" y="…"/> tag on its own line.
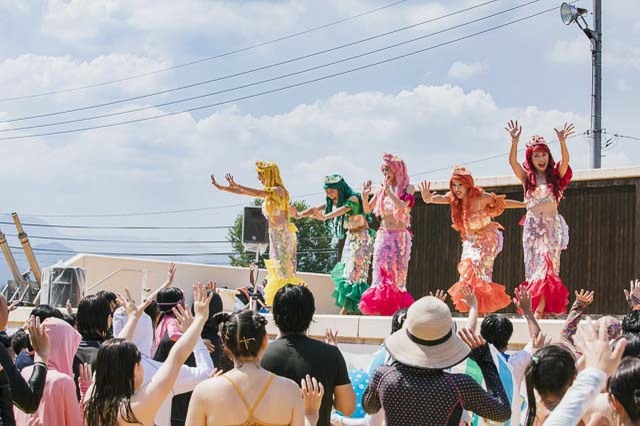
<point x="479" y="253"/>
<point x="388" y="292"/>
<point x="351" y="273"/>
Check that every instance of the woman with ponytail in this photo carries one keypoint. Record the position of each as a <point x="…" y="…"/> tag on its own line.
<point x="545" y="232"/>
<point x="249" y="394"/>
<point x="392" y="203"/>
<point x="472" y="213"/>
<point x="283" y="243"/>
<point x="344" y="215"/>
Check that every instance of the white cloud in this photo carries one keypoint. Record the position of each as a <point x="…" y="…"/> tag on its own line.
<point x="623" y="86"/>
<point x="463" y="71"/>
<point x="574" y="51"/>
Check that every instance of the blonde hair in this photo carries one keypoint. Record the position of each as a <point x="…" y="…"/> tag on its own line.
<point x="272" y="180"/>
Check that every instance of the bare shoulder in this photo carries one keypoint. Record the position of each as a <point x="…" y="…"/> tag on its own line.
<point x="287" y="386"/>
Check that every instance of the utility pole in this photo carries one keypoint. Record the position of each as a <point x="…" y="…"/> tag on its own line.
<point x="596" y="83"/>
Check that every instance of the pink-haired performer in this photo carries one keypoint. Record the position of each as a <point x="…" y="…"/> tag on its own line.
<point x="545" y="232"/>
<point x="392" y="248"/>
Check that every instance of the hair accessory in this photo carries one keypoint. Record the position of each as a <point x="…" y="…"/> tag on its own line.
<point x="246" y="341"/>
<point x="636" y="396"/>
<point x="462" y="171"/>
<point x="535" y="360"/>
<point x="263" y="164"/>
<point x="536" y="140"/>
<point x="332" y="179"/>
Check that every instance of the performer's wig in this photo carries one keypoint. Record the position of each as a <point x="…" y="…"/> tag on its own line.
<point x="399" y="169"/>
<point x="537" y="143"/>
<point x="460" y="207"/>
<point x="271" y="174"/>
<point x="345" y="192"/>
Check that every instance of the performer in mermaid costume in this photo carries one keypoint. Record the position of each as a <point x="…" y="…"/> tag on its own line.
<point x="343" y="207"/>
<point x="392" y="202"/>
<point x="545" y="232"/>
<point x="281" y="265"/>
<point x="472" y="213"/>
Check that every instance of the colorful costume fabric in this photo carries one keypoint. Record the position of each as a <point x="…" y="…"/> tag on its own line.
<point x="391" y="254"/>
<point x="482" y="242"/>
<point x="351" y="273"/>
<point x="281" y="265"/>
<point x="543" y="239"/>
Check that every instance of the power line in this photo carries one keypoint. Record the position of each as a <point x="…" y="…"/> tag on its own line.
<point x="48" y="225"/>
<point x="210" y="58"/>
<point x="100" y="240"/>
<point x="626" y="137"/>
<point x="61" y="251"/>
<point x="253" y="70"/>
<point x="279" y="89"/>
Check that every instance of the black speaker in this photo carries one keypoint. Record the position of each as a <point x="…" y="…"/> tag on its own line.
<point x="255" y="227"/>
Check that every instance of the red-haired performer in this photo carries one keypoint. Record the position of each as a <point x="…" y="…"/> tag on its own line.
<point x="392" y="249"/>
<point x="472" y="213"/>
<point x="545" y="232"/>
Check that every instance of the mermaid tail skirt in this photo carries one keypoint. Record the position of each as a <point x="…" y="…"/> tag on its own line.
<point x="281" y="265"/>
<point x="351" y="273"/>
<point x="388" y="293"/>
<point x="479" y="252"/>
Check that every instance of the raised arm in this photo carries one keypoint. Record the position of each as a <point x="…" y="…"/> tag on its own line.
<point x="170" y="275"/>
<point x="514" y="204"/>
<point x="397" y="201"/>
<point x="310" y="212"/>
<point x="583" y="299"/>
<point x="247" y="190"/>
<point x="153" y="394"/>
<point x="523" y="302"/>
<point x="566" y="131"/>
<point x="133" y="314"/>
<point x="431" y="198"/>
<point x="515" y="130"/>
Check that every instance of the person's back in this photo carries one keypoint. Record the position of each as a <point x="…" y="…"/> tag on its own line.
<point x="252" y="396"/>
<point x="294" y="356"/>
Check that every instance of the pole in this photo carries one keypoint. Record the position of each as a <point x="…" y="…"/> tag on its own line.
<point x="11" y="261"/>
<point x="596" y="85"/>
<point x="28" y="251"/>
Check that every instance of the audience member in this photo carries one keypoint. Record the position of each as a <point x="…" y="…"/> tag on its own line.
<point x="59" y="404"/>
<point x="118" y="394"/>
<point x="249" y="394"/>
<point x="294" y="355"/>
<point x="426" y="345"/>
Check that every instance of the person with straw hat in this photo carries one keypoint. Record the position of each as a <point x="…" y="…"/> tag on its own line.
<point x="415" y="389"/>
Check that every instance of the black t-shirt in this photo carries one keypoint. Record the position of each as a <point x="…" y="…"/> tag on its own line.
<point x="295" y="356"/>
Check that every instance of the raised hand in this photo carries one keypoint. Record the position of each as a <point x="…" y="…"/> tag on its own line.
<point x="39" y="338"/>
<point x="210" y="346"/>
<point x="469" y="296"/>
<point x="425" y="191"/>
<point x="584" y="296"/>
<point x="232" y="182"/>
<point x="539" y="341"/>
<point x="171" y="273"/>
<point x="633" y="294"/>
<point x="183" y="316"/>
<point x="471" y="338"/>
<point x="216" y="373"/>
<point x="514" y="129"/>
<point x="595" y="347"/>
<point x="366" y="189"/>
<point x="331" y="337"/>
<point x="215" y="183"/>
<point x="312" y="393"/>
<point x="567" y="130"/>
<point x="129" y="304"/>
<point x="85" y="378"/>
<point x="523" y="299"/>
<point x="440" y="295"/>
<point x="201" y="301"/>
<point x="213" y="285"/>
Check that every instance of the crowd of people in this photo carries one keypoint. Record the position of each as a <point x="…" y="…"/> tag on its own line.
<point x="166" y="362"/>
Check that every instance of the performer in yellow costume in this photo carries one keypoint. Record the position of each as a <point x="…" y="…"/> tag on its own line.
<point x="281" y="265"/>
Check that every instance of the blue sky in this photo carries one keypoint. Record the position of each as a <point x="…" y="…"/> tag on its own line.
<point x="445" y="106"/>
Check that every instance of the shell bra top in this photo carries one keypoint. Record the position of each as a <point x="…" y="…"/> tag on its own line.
<point x="542" y="194"/>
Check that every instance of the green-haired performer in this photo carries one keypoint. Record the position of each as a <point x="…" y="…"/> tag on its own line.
<point x="344" y="208"/>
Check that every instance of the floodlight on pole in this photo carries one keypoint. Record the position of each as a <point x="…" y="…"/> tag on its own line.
<point x="570" y="14"/>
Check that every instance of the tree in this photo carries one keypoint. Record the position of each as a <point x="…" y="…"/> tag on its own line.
<point x="315" y="250"/>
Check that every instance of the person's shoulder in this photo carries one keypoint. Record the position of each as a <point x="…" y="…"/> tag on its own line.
<point x="285" y="384"/>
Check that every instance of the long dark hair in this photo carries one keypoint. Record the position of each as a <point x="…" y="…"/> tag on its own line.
<point x="92" y="319"/>
<point x="551" y="372"/>
<point x="624" y="385"/>
<point x="114" y="384"/>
